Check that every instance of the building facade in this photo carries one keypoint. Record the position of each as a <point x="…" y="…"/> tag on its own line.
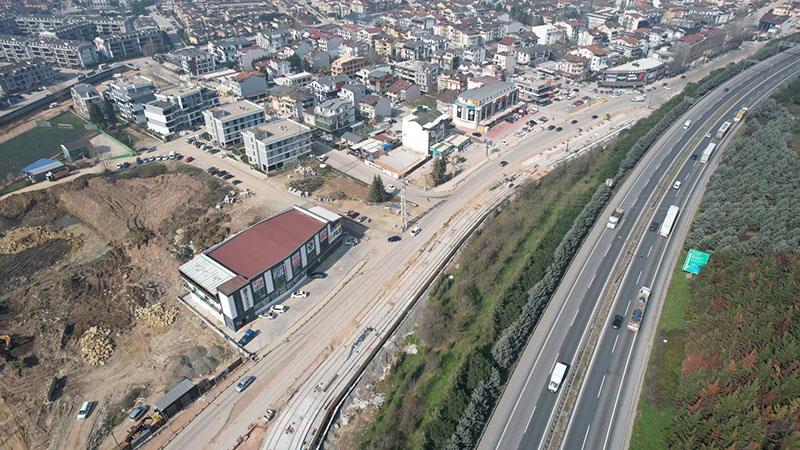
<point x="424" y="128"/>
<point x="61" y="53"/>
<point x="277" y="144"/>
<point x="347" y="65"/>
<point x="147" y="41"/>
<point x="481" y="107"/>
<point x="25" y="76"/>
<point x="83" y="97"/>
<point x="225" y="123"/>
<point x="334" y="115"/>
<point x="129" y="95"/>
<point x="179" y="108"/>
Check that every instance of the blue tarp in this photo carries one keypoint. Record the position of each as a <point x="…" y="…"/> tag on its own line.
<point x="40" y="163"/>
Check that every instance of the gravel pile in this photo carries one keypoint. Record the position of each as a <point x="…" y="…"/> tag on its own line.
<point x="96" y="346"/>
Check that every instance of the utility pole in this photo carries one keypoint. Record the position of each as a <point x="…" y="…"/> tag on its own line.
<point x="403" y="209"/>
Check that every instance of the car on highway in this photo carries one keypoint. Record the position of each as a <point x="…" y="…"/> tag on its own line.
<point x="299" y="294"/>
<point x="137" y="412"/>
<point x="247" y="337"/>
<point x="574" y="121"/>
<point x="617" y="322"/>
<point x="415" y="231"/>
<point x="503" y="163"/>
<point x="654" y="226"/>
<point x="279" y="308"/>
<point x="268" y="315"/>
<point x="53" y="105"/>
<point x="708" y="135"/>
<point x="677" y="185"/>
<point x="189" y="159"/>
<point x="246" y="381"/>
<point x="394" y="238"/>
<point x="318" y="275"/>
<point x="693" y="157"/>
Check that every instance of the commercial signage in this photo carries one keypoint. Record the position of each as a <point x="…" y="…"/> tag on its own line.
<point x="695" y="260"/>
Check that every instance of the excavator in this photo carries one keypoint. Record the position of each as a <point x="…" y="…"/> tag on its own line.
<point x="5" y="349"/>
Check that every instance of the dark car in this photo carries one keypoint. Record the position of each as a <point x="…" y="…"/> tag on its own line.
<point x="559" y="129"/>
<point x="617" y="321"/>
<point x="248" y="336"/>
<point x="213" y="172"/>
<point x="551" y="128"/>
<point x="683" y="77"/>
<point x="477" y="134"/>
<point x="574" y="121"/>
<point x="318" y="275"/>
<point x="222" y="173"/>
<point x="235" y="182"/>
<point x="227" y="177"/>
<point x="726" y="89"/>
<point x="594" y="116"/>
<point x="394" y="238"/>
<point x="210" y="169"/>
<point x="654" y="226"/>
<point x="503" y="163"/>
<point x="694" y="157"/>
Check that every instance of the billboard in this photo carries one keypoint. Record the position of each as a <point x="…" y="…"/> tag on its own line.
<point x="695" y="260"/>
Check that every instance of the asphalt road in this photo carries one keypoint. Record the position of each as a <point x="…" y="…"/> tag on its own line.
<point x="526" y="408"/>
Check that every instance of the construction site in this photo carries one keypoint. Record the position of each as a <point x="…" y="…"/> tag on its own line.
<point x="88" y="308"/>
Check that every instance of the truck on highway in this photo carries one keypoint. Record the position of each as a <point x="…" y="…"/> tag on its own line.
<point x="669" y="221"/>
<point x="616" y="216"/>
<point x="687" y="124"/>
<point x="638" y="309"/>
<point x="557" y="377"/>
<point x="723" y="130"/>
<point x="740" y="115"/>
<point x="707" y="153"/>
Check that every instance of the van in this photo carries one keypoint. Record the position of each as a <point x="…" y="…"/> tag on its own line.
<point x="83" y="413"/>
<point x="171" y="155"/>
<point x="557" y="377"/>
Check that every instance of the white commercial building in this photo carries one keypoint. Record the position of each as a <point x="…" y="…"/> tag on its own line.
<point x="480" y="108"/>
<point x="129" y="95"/>
<point x="422" y="129"/>
<point x="276" y="144"/>
<point x="178" y="108"/>
<point x="225" y="123"/>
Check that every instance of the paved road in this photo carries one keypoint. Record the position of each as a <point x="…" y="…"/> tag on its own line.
<point x="526" y="408"/>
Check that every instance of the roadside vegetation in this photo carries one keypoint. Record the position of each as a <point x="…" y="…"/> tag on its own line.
<point x="724" y="368"/>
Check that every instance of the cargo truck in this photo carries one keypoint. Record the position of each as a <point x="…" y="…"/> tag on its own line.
<point x="638" y="309"/>
<point x="53" y="176"/>
<point x="669" y="220"/>
<point x="740" y="115"/>
<point x="616" y="216"/>
<point x="723" y="130"/>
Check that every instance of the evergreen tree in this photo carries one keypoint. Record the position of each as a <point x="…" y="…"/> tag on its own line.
<point x="439" y="172"/>
<point x="297" y="64"/>
<point x="377" y="193"/>
<point x="96" y="115"/>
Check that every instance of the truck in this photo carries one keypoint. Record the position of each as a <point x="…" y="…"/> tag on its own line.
<point x="707" y="153"/>
<point x="669" y="221"/>
<point x="638" y="309"/>
<point x="557" y="377"/>
<point x="740" y="115"/>
<point x="687" y="124"/>
<point x="616" y="216"/>
<point x="53" y="176"/>
<point x="723" y="130"/>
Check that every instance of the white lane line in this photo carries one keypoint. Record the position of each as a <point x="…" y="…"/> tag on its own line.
<point x="619" y="391"/>
<point x="555" y="361"/>
<point x="695" y="163"/>
<point x="687" y="176"/>
<point x="609" y="248"/>
<point x="530" y="420"/>
<point x="640" y="276"/>
<point x="585" y="436"/>
<point x="615" y="344"/>
<point x="574" y="317"/>
<point x="629" y="305"/>
<point x="601" y="385"/>
<point x="593" y="277"/>
<point x="648" y="252"/>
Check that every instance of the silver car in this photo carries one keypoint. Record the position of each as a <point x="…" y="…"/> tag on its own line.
<point x="246" y="381"/>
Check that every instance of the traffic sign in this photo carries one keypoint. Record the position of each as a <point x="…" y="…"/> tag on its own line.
<point x="695" y="260"/>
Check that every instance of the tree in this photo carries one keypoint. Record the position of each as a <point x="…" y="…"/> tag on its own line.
<point x="439" y="171"/>
<point x="306" y="65"/>
<point x="109" y="114"/>
<point x="324" y="71"/>
<point x="96" y="115"/>
<point x="377" y="193"/>
<point x="297" y="64"/>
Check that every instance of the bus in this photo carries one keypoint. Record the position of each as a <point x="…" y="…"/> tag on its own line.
<point x="740" y="115"/>
<point x="669" y="221"/>
<point x="707" y="153"/>
<point x="723" y="130"/>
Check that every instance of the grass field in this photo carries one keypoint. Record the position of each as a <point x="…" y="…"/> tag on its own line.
<point x="654" y="412"/>
<point x="39" y="142"/>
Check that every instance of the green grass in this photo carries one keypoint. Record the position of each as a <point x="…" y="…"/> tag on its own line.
<point x="37" y="143"/>
<point x="19" y="184"/>
<point x="425" y="100"/>
<point x="655" y="409"/>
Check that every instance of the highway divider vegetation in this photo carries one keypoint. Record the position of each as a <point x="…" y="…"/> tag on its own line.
<point x="481" y="313"/>
<point x="726" y="373"/>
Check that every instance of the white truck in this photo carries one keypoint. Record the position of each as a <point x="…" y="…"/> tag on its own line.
<point x="616" y="216"/>
<point x="638" y="308"/>
<point x="557" y="377"/>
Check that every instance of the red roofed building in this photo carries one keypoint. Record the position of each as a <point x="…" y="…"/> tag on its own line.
<point x="248" y="272"/>
<point x="598" y="58"/>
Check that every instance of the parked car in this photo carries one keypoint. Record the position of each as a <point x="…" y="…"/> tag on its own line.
<point x="394" y="238"/>
<point x="617" y="322"/>
<point x="574" y="121"/>
<point x="352" y="214"/>
<point x="361" y="219"/>
<point x="318" y="275"/>
<point x="189" y="159"/>
<point x="86" y="408"/>
<point x="299" y="294"/>
<point x="551" y="128"/>
<point x="227" y="177"/>
<point x="269" y="414"/>
<point x="594" y="116"/>
<point x="137" y="413"/>
<point x="559" y="129"/>
<point x="221" y="173"/>
<point x="415" y="231"/>
<point x="246" y="381"/>
<point x="391" y="187"/>
<point x="279" y="308"/>
<point x="213" y="172"/>
<point x="503" y="163"/>
<point x="268" y="315"/>
<point x="350" y="242"/>
<point x="477" y="134"/>
<point x="503" y="142"/>
<point x="235" y="182"/>
<point x="248" y="336"/>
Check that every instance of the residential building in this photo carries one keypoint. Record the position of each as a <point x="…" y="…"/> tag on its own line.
<point x="297" y="79"/>
<point x="248" y="84"/>
<point x="14" y="48"/>
<point x="420" y="73"/>
<point x="271" y="40"/>
<point x="147" y="41"/>
<point x="179" y="108"/>
<point x="445" y="101"/>
<point x="24" y="76"/>
<point x="347" y="65"/>
<point x="224" y="123"/>
<point x="112" y="24"/>
<point x="352" y="92"/>
<point x="60" y="53"/>
<point x="227" y="50"/>
<point x="548" y="34"/>
<point x="193" y="61"/>
<point x="423" y="128"/>
<point x="532" y="55"/>
<point x="598" y="58"/>
<point x="78" y="31"/>
<point x="573" y="66"/>
<point x="277" y="144"/>
<point x="291" y="102"/>
<point x="242" y="276"/>
<point x="334" y="115"/>
<point x="479" y="108"/>
<point x="506" y="62"/>
<point x="328" y="87"/>
<point x="129" y="95"/>
<point x="629" y="47"/>
<point x="402" y="90"/>
<point x="83" y="97"/>
<point x="372" y="106"/>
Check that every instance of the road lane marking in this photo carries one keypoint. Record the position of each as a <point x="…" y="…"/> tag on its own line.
<point x="530" y="420"/>
<point x="615" y="344"/>
<point x="648" y="252"/>
<point x="687" y="176"/>
<point x="640" y="276"/>
<point x="574" y="317"/>
<point x="619" y="391"/>
<point x="609" y="248"/>
<point x="585" y="436"/>
<point x="601" y="385"/>
<point x="593" y="277"/>
<point x="555" y="361"/>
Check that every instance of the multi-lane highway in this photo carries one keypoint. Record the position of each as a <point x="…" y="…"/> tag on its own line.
<point x="526" y="410"/>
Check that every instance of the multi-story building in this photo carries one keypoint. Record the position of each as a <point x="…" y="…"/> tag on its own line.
<point x="481" y="107"/>
<point x="334" y="115"/>
<point x="147" y="41"/>
<point x="277" y="144"/>
<point x="25" y="76"/>
<point x="193" y="61"/>
<point x="372" y="106"/>
<point x="347" y="65"/>
<point x="420" y="73"/>
<point x="424" y="128"/>
<point x="226" y="122"/>
<point x="291" y="102"/>
<point x="129" y="95"/>
<point x="633" y="74"/>
<point x="531" y="55"/>
<point x="179" y="108"/>
<point x="226" y="50"/>
<point x="271" y="40"/>
<point x="598" y="58"/>
<point x="248" y="84"/>
<point x="83" y="97"/>
<point x="113" y="24"/>
<point x="352" y="92"/>
<point x="68" y="54"/>
<point x="296" y="79"/>
<point x="328" y="87"/>
<point x="548" y="34"/>
<point x="573" y="66"/>
<point x="78" y="31"/>
<point x="14" y="48"/>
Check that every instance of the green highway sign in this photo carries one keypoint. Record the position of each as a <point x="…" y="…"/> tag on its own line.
<point x="695" y="260"/>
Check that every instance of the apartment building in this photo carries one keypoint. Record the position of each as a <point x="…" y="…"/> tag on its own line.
<point x="248" y="84"/>
<point x="227" y="50"/>
<point x="276" y="144"/>
<point x="226" y="122"/>
<point x="179" y="108"/>
<point x="112" y="24"/>
<point x="61" y="53"/>
<point x="420" y="73"/>
<point x="424" y="128"/>
<point x="78" y="31"/>
<point x="148" y="41"/>
<point x="129" y="95"/>
<point x="347" y="65"/>
<point x="83" y="97"/>
<point x="25" y="76"/>
<point x="14" y="48"/>
<point x="334" y="115"/>
<point x="325" y="88"/>
<point x="193" y="61"/>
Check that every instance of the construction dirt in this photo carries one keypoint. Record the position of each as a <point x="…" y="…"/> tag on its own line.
<point x="98" y="257"/>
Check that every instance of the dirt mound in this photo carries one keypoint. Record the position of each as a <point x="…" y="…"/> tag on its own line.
<point x="96" y="346"/>
<point x="24" y="238"/>
<point x="157" y="316"/>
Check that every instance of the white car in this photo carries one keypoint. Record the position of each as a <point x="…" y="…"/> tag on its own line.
<point x="708" y="135"/>
<point x="299" y="294"/>
<point x="83" y="413"/>
<point x="415" y="231"/>
<point x="351" y="241"/>
<point x="391" y="187"/>
<point x="503" y="142"/>
<point x="278" y="308"/>
<point x="677" y="185"/>
<point x="267" y="315"/>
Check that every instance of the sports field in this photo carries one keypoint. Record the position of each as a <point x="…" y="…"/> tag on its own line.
<point x="38" y="143"/>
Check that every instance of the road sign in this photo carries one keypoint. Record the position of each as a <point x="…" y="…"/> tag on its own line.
<point x="695" y="260"/>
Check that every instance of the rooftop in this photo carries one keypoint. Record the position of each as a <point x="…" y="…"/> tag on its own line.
<point x="277" y="130"/>
<point x="488" y="91"/>
<point x="235" y="109"/>
<point x="639" y="64"/>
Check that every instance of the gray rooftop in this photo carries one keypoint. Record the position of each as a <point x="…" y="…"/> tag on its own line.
<point x="482" y="93"/>
<point x="177" y="392"/>
<point x="235" y="109"/>
<point x="276" y="130"/>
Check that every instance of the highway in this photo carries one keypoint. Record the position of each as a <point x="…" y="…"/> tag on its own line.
<point x="526" y="409"/>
